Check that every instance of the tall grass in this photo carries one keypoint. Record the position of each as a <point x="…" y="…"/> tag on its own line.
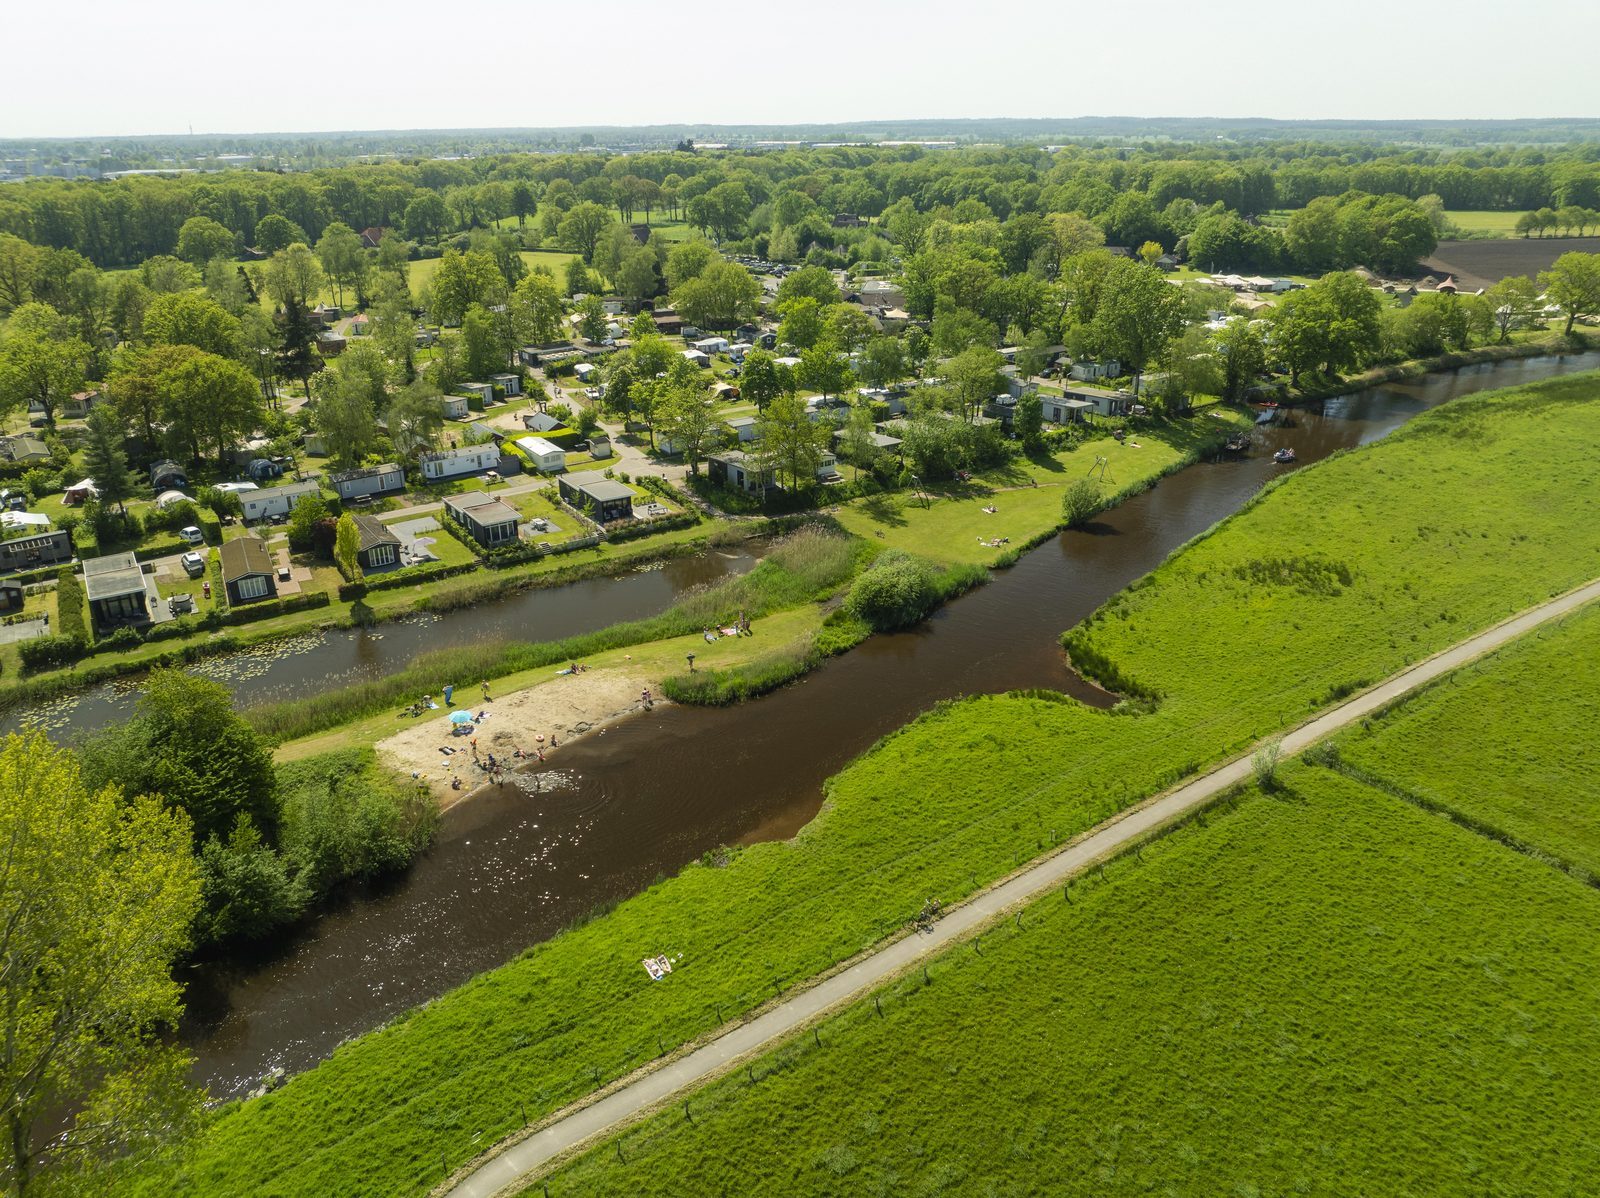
<point x="805" y="565"/>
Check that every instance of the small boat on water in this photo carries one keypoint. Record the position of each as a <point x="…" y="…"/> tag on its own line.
<point x="1284" y="456"/>
<point x="1237" y="444"/>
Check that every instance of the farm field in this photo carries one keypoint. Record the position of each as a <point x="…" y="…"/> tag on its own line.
<point x="1322" y="990"/>
<point x="953" y="527"/>
<point x="1299" y="575"/>
<point x="1507" y="745"/>
<point x="1482" y="263"/>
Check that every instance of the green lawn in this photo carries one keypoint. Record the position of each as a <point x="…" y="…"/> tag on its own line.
<point x="1509" y="744"/>
<point x="1471" y="512"/>
<point x="952" y="526"/>
<point x="555" y="261"/>
<point x="1472" y="222"/>
<point x="1325" y="991"/>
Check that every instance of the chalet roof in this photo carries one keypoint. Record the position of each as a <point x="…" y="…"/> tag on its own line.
<point x="112" y="575"/>
<point x="244" y="556"/>
<point x="374" y="532"/>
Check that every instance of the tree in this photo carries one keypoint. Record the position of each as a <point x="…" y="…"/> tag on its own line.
<point x="636" y="277"/>
<point x="275" y="233"/>
<point x="188" y="318"/>
<point x="857" y="446"/>
<point x="39" y="367"/>
<point x="687" y="260"/>
<point x="896" y="591"/>
<point x="1573" y="285"/>
<point x="523" y="201"/>
<point x="463" y="280"/>
<point x="212" y="401"/>
<point x="1244" y="357"/>
<point x="815" y="281"/>
<point x="1028" y="421"/>
<point x="1514" y="302"/>
<point x="1138" y="313"/>
<point x="201" y="239"/>
<point x="342" y="257"/>
<point x="394" y="255"/>
<point x="536" y="309"/>
<point x="483" y="343"/>
<point x="721" y="296"/>
<point x="1333" y="323"/>
<point x="801" y="326"/>
<point x="297" y="343"/>
<point x="97" y="894"/>
<point x="824" y="370"/>
<point x="685" y="416"/>
<point x="974" y="377"/>
<point x="415" y="419"/>
<point x="762" y="380"/>
<point x="848" y="328"/>
<point x="347" y="547"/>
<point x="426" y="216"/>
<point x="580" y="228"/>
<point x="344" y="415"/>
<point x="307" y="513"/>
<point x="294" y="274"/>
<point x="105" y="460"/>
<point x="883" y="362"/>
<point x="137" y="387"/>
<point x="19" y="262"/>
<point x="792" y="442"/>
<point x="592" y="318"/>
<point x="956" y="329"/>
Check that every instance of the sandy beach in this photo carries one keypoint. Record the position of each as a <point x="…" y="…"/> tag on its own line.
<point x="564" y="707"/>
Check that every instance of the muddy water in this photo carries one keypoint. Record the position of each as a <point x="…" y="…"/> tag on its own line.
<point x="648" y="795"/>
<point x="316" y="661"/>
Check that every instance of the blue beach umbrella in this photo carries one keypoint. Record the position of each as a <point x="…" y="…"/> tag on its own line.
<point x="461" y="717"/>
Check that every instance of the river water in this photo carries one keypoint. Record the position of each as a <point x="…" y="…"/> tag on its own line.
<point x="315" y="661"/>
<point x="646" y="796"/>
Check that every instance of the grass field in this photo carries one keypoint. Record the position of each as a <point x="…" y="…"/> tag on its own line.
<point x="1471" y="512"/>
<point x="1508" y="745"/>
<point x="1325" y="991"/>
<point x="954" y="528"/>
<point x="555" y="261"/>
<point x="1471" y="222"/>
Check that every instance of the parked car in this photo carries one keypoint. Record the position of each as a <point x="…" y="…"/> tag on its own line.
<point x="192" y="535"/>
<point x="193" y="564"/>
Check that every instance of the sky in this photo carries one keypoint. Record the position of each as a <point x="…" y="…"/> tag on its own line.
<point x="108" y="67"/>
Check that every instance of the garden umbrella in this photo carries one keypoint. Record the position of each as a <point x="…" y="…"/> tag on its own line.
<point x="461" y="717"/>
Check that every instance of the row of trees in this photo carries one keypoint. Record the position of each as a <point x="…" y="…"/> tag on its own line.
<point x="126" y="221"/>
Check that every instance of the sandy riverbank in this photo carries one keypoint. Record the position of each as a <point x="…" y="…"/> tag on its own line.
<point x="564" y="707"/>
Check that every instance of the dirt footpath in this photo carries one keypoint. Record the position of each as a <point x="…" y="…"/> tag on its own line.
<point x="564" y="707"/>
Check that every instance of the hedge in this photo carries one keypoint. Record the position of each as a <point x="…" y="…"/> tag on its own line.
<point x="644" y="528"/>
<point x="71" y="603"/>
<point x="43" y="652"/>
<point x="427" y="572"/>
<point x="277" y="607"/>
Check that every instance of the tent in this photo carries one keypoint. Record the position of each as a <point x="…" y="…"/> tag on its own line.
<point x="167" y="498"/>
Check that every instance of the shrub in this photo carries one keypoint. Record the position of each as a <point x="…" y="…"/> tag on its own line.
<point x="896" y="592"/>
<point x="1081" y="501"/>
<point x="46" y="651"/>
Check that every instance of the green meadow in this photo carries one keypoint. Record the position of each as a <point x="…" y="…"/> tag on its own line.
<point x="1508" y="746"/>
<point x="1335" y="577"/>
<point x="1321" y="991"/>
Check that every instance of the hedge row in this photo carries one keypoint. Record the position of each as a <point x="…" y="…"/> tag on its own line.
<point x="71" y="605"/>
<point x="408" y="576"/>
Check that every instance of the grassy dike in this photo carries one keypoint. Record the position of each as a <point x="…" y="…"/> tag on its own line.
<point x="1324" y="990"/>
<point x="1247" y="1005"/>
<point x="1473" y="511"/>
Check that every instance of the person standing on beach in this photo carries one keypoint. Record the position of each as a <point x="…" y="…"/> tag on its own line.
<point x="485" y="685"/>
<point x="449" y="690"/>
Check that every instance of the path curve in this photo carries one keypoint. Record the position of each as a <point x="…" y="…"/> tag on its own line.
<point x="668" y="1081"/>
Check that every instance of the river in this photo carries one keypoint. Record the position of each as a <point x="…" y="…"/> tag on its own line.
<point x="325" y="659"/>
<point x="646" y="796"/>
